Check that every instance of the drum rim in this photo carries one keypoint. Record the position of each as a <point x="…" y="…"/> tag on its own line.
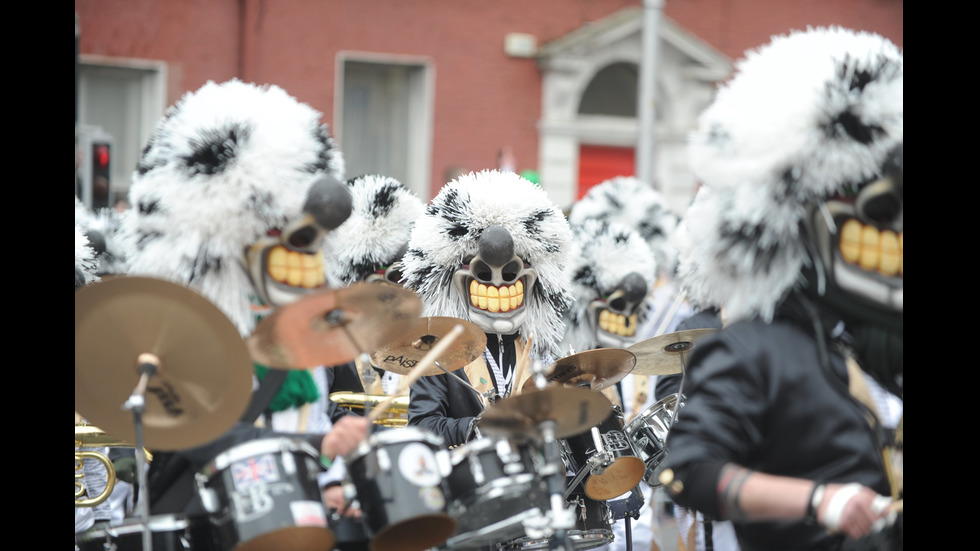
<point x="157" y="523"/>
<point x="396" y="436"/>
<point x="256" y="447"/>
<point x="649" y="411"/>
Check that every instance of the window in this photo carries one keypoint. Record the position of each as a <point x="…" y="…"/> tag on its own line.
<point x="124" y="100"/>
<point x="385" y="120"/>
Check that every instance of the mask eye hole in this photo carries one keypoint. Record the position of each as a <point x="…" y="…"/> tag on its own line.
<point x="512" y="269"/>
<point x="482" y="270"/>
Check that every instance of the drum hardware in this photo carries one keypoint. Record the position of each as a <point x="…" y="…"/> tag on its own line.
<point x="665" y="354"/>
<point x="333" y="327"/>
<point x="599" y="369"/>
<point x="403" y="354"/>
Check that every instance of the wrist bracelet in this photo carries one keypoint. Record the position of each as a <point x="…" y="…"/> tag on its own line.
<point x="813" y="503"/>
<point x="326" y="462"/>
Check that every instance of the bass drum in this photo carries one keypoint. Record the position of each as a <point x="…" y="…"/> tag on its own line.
<point x="167" y="533"/>
<point x="263" y="495"/>
<point x="648" y="433"/>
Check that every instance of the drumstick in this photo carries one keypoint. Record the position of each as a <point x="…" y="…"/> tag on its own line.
<point x="430" y="358"/>
<point x="522" y="365"/>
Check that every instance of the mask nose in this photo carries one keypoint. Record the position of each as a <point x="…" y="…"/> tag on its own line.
<point x="496" y="262"/>
<point x="328" y="204"/>
<point x="630" y="292"/>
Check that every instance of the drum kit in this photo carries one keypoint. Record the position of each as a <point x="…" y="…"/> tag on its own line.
<point x="159" y="367"/>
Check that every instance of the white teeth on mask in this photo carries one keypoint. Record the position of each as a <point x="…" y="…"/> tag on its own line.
<point x="872" y="249"/>
<point x="496" y="299"/>
<point x="296" y="269"/>
<point x="617" y="324"/>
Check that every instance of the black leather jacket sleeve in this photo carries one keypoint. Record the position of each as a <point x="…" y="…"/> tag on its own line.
<point x="444" y="406"/>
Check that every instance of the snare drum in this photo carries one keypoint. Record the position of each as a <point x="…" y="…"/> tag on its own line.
<point x="398" y="476"/>
<point x="648" y="433"/>
<point x="167" y="533"/>
<point x="604" y="458"/>
<point x="264" y="495"/>
<point x="495" y="487"/>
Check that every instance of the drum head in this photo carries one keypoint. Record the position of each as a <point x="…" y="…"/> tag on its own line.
<point x="295" y="538"/>
<point x="618" y="478"/>
<point x="415" y="534"/>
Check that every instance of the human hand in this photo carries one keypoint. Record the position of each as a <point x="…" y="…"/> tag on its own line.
<point x="334" y="499"/>
<point x="345" y="435"/>
<point x="855" y="510"/>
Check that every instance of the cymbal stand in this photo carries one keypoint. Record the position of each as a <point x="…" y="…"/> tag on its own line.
<point x="149" y="365"/>
<point x="562" y="519"/>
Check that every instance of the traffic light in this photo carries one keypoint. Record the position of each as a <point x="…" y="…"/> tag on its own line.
<point x="94" y="186"/>
<point x="101" y="188"/>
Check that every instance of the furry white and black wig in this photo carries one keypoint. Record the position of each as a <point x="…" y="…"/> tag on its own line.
<point x="630" y="202"/>
<point x="228" y="165"/>
<point x="376" y="234"/>
<point x="611" y="268"/>
<point x="85" y="263"/>
<point x="108" y="234"/>
<point x="449" y="235"/>
<point x="805" y="118"/>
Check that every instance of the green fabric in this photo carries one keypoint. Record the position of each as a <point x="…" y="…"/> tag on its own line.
<point x="296" y="390"/>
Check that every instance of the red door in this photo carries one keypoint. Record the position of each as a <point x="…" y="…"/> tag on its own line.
<point x="598" y="163"/>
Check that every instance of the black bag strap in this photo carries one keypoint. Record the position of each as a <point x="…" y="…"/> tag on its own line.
<point x="268" y="388"/>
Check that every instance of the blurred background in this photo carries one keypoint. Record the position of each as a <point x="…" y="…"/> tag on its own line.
<point x="566" y="92"/>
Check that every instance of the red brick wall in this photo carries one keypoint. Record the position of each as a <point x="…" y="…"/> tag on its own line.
<point x="483" y="99"/>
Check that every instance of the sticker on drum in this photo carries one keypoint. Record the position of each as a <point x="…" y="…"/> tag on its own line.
<point x="648" y="433"/>
<point x="417" y="464"/>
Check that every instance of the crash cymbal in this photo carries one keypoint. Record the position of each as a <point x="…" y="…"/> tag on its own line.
<point x="204" y="379"/>
<point x="664" y="354"/>
<point x="404" y="353"/>
<point x="599" y="368"/>
<point x="573" y="410"/>
<point x="335" y="326"/>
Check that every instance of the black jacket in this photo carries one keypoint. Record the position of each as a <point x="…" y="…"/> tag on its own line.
<point x="447" y="407"/>
<point x="758" y="395"/>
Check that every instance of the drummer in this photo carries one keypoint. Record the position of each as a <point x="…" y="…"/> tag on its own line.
<point x="234" y="167"/>
<point x="490" y="250"/>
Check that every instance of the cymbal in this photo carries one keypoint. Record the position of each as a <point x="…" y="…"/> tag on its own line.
<point x="401" y="355"/>
<point x="204" y="379"/>
<point x="664" y="354"/>
<point x="573" y="410"/>
<point x="600" y="368"/>
<point x="335" y="326"/>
